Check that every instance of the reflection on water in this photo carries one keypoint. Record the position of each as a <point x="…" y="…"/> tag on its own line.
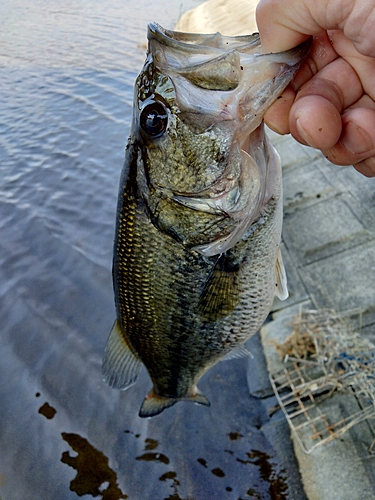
<point x="67" y="72"/>
<point x="47" y="411"/>
<point x="154" y="457"/>
<point x="94" y="476"/>
<point x="174" y="484"/>
<point x="277" y="482"/>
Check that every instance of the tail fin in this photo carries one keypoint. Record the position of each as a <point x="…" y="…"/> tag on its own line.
<point x="154" y="404"/>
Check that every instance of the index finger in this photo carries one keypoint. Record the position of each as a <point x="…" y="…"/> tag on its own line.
<point x="284" y="24"/>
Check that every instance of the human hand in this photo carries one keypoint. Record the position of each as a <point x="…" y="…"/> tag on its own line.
<point x="330" y="105"/>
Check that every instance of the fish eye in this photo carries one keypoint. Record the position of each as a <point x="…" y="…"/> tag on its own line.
<point x="154" y="118"/>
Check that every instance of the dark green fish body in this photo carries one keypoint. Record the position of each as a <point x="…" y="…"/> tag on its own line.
<point x="196" y="257"/>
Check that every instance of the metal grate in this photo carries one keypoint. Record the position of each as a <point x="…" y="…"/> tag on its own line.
<point x="342" y="361"/>
<point x="300" y="400"/>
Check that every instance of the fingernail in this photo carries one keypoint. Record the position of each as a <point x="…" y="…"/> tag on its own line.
<point x="274" y="127"/>
<point x="302" y="133"/>
<point x="355" y="139"/>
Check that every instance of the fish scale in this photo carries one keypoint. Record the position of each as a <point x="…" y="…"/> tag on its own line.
<point x="197" y="257"/>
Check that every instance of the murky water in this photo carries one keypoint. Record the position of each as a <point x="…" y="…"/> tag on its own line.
<point x="67" y="71"/>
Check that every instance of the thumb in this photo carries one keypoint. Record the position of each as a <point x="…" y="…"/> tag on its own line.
<point x="283" y="24"/>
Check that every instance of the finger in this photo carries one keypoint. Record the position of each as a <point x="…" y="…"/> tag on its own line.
<point x="356" y="145"/>
<point x="283" y="24"/>
<point x="321" y="54"/>
<point x="364" y="101"/>
<point x="338" y="76"/>
<point x="363" y="65"/>
<point x="277" y="116"/>
<point x="314" y="118"/>
<point x="358" y="26"/>
<point x="366" y="167"/>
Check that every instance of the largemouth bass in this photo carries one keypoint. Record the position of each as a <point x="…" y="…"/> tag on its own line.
<point x="197" y="257"/>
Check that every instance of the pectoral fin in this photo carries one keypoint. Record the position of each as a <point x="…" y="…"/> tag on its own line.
<point x="219" y="296"/>
<point x="281" y="288"/>
<point x="154" y="404"/>
<point x="120" y="365"/>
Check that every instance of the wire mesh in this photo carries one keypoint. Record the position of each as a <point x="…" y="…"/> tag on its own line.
<point x="323" y="355"/>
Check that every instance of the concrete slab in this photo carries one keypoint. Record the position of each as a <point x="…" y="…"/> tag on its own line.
<point x="305" y="184"/>
<point x="316" y="231"/>
<point x="277" y="431"/>
<point x="332" y="471"/>
<point x="348" y="179"/>
<point x="344" y="281"/>
<point x="291" y="152"/>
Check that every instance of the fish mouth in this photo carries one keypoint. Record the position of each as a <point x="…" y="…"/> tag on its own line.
<point x="218" y="62"/>
<point x="228" y="82"/>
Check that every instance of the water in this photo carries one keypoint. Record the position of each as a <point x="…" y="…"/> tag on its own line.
<point x="67" y="71"/>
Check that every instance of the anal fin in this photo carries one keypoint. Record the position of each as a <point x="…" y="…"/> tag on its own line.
<point x="238" y="352"/>
<point x="120" y="366"/>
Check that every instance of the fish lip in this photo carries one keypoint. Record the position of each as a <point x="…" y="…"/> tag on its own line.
<point x="215" y="42"/>
<point x="194" y="42"/>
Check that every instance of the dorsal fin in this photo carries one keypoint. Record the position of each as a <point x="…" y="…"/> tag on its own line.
<point x="120" y="365"/>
